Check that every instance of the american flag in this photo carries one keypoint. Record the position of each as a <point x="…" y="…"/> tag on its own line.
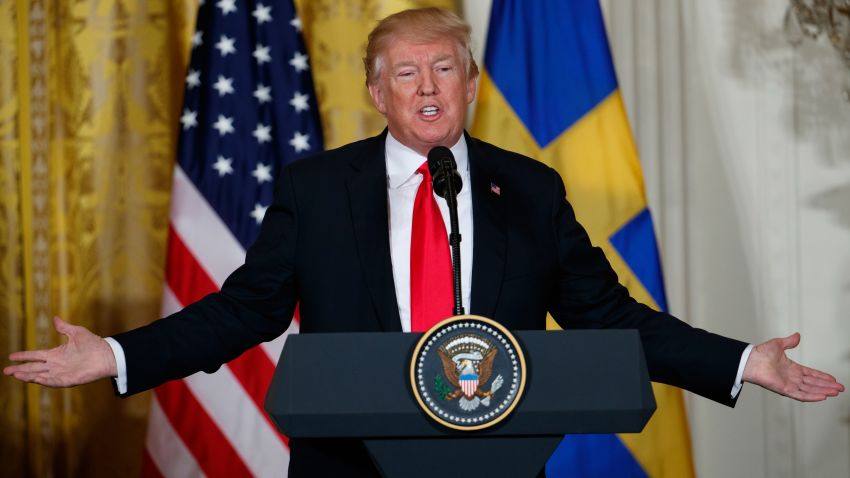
<point x="249" y="109"/>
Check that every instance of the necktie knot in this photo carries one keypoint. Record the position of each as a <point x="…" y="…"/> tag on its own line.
<point x="425" y="172"/>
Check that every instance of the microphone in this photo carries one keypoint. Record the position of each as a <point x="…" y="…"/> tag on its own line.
<point x="441" y="164"/>
<point x="447" y="183"/>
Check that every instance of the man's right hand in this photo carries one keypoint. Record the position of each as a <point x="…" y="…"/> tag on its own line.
<point x="85" y="358"/>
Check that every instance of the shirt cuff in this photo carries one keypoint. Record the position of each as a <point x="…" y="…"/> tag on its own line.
<point x="736" y="389"/>
<point x="121" y="362"/>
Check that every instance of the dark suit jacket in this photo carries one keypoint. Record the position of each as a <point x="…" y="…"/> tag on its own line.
<point x="325" y="243"/>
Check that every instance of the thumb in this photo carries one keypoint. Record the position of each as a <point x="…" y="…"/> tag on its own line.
<point x="61" y="326"/>
<point x="791" y="341"/>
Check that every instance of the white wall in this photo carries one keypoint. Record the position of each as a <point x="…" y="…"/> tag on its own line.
<point x="745" y="142"/>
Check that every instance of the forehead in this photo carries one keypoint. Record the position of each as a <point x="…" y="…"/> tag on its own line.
<point x="406" y="51"/>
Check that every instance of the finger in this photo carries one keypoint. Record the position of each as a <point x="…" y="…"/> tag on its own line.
<point x="804" y="396"/>
<point x="38" y="378"/>
<point x="61" y="326"/>
<point x="28" y="376"/>
<point x="791" y="341"/>
<point x="822" y="382"/>
<point x="29" y="356"/>
<point x="29" y="367"/>
<point x="828" y="391"/>
<point x="819" y="374"/>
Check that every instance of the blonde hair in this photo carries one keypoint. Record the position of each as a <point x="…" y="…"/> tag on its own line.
<point x="421" y="25"/>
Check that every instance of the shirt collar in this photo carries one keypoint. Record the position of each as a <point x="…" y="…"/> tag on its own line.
<point x="402" y="162"/>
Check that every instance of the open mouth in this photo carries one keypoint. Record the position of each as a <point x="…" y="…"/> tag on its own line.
<point x="429" y="110"/>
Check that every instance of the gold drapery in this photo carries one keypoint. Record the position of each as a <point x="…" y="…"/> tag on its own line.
<point x="90" y="93"/>
<point x="90" y="96"/>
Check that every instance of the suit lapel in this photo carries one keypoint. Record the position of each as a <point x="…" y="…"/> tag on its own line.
<point x="490" y="237"/>
<point x="367" y="195"/>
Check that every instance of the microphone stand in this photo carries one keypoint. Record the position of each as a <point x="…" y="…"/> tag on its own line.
<point x="454" y="243"/>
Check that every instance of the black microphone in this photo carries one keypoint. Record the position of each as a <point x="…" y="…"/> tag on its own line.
<point x="447" y="183"/>
<point x="441" y="164"/>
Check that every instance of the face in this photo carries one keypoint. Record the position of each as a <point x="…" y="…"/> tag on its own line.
<point x="423" y="90"/>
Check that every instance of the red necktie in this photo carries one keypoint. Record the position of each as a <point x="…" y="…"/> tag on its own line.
<point x="430" y="260"/>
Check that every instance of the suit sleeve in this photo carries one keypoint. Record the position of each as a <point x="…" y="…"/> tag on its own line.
<point x="255" y="305"/>
<point x="590" y="296"/>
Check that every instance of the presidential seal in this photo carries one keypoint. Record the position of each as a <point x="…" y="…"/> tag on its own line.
<point x="467" y="372"/>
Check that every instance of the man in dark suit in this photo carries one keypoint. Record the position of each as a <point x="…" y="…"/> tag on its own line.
<point x="337" y="239"/>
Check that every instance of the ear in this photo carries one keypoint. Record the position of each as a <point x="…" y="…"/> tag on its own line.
<point x="471" y="87"/>
<point x="377" y="97"/>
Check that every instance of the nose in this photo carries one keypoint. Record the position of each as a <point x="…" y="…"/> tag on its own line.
<point x="427" y="85"/>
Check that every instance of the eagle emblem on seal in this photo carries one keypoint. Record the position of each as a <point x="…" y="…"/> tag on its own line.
<point x="467" y="366"/>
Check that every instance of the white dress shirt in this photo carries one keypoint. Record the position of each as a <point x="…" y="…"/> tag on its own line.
<point x="402" y="184"/>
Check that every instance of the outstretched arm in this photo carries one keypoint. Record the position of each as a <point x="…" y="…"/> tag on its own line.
<point x="84" y="358"/>
<point x="770" y="368"/>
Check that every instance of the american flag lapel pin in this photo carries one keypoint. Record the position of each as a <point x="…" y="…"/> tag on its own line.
<point x="495" y="189"/>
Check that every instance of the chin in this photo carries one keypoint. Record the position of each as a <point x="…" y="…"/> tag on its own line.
<point x="438" y="140"/>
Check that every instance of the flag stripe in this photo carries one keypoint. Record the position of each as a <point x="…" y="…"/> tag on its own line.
<point x="165" y="453"/>
<point x="184" y="275"/>
<point x="149" y="468"/>
<point x="211" y="449"/>
<point x="188" y="282"/>
<point x="255" y="370"/>
<point x="635" y="242"/>
<point x="240" y="421"/>
<point x="613" y="458"/>
<point x="198" y="224"/>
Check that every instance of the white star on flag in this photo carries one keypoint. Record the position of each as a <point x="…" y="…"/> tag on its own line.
<point x="299" y="102"/>
<point x="223" y="85"/>
<point x="262" y="13"/>
<point x="263" y="173"/>
<point x="224" y="125"/>
<point x="300" y="142"/>
<point x="296" y="22"/>
<point x="197" y="38"/>
<point x="258" y="212"/>
<point x="223" y="166"/>
<point x="226" y="45"/>
<point x="193" y="79"/>
<point x="226" y="6"/>
<point x="299" y="61"/>
<point x="261" y="53"/>
<point x="263" y="93"/>
<point x="189" y="119"/>
<point x="263" y="133"/>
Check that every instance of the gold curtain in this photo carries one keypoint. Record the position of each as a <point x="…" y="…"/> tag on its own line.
<point x="90" y="93"/>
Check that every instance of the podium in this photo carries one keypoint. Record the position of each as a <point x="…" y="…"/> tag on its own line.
<point x="356" y="385"/>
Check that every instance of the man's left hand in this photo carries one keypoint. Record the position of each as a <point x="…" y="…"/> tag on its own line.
<point x="770" y="368"/>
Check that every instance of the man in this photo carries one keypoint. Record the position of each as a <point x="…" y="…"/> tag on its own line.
<point x="345" y="239"/>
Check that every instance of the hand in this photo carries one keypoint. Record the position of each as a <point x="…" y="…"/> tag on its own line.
<point x="769" y="367"/>
<point x="85" y="358"/>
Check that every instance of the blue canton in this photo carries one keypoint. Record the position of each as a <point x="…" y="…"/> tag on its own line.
<point x="249" y="108"/>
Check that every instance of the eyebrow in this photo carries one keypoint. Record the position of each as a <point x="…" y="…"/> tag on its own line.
<point x="405" y="63"/>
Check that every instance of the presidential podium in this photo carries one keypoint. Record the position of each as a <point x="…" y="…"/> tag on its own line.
<point x="357" y="386"/>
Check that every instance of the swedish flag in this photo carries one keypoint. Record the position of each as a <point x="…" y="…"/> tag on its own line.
<point x="549" y="91"/>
